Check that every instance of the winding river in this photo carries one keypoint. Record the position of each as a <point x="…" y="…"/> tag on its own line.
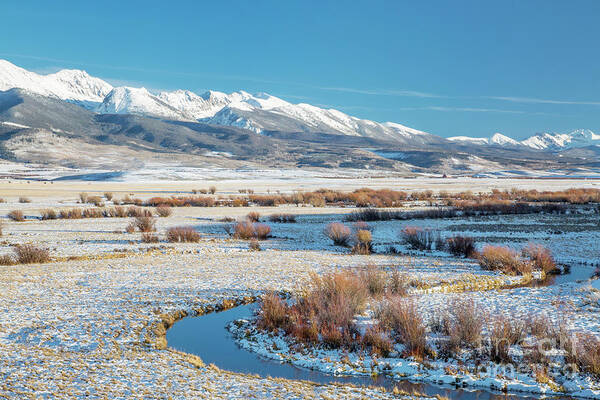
<point x="207" y="337"/>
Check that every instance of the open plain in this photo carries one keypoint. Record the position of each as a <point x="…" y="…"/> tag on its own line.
<point x="91" y="321"/>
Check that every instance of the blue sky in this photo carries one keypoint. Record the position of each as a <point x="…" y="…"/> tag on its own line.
<point x="447" y="67"/>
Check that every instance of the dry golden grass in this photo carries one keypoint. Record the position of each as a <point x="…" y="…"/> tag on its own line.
<point x="16" y="215"/>
<point x="501" y="258"/>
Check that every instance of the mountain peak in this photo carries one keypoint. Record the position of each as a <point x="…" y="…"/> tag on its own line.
<point x="503" y="140"/>
<point x="563" y="141"/>
<point x="129" y="100"/>
<point x="67" y="84"/>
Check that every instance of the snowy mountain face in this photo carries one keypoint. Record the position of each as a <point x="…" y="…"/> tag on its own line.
<point x="263" y="112"/>
<point x="502" y="140"/>
<point x="543" y="141"/>
<point x="260" y="113"/>
<point x="469" y="140"/>
<point x="197" y="107"/>
<point x="497" y="139"/>
<point x="70" y="85"/>
<point x="563" y="141"/>
<point x="127" y="100"/>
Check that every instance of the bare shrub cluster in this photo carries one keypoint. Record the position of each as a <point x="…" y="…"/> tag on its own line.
<point x="420" y="239"/>
<point x="247" y="230"/>
<point x="532" y="257"/>
<point x="465" y="321"/>
<point x="505" y="259"/>
<point x="143" y="224"/>
<point x="363" y="242"/>
<point x="26" y="254"/>
<point x="180" y="234"/>
<point x="16" y="215"/>
<point x="324" y="313"/>
<point x="339" y="233"/>
<point x="540" y="257"/>
<point x="164" y="211"/>
<point x="402" y="318"/>
<point x="282" y="218"/>
<point x="459" y="245"/>
<point x="105" y="212"/>
<point x="253" y="216"/>
<point x="465" y="203"/>
<point x="150" y="238"/>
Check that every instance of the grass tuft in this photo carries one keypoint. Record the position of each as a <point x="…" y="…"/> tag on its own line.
<point x="16" y="215"/>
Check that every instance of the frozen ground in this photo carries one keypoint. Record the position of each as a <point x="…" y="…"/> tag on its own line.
<point x="85" y="327"/>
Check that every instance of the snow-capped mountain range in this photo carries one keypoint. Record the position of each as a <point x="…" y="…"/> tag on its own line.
<point x="542" y="141"/>
<point x="259" y="113"/>
<point x="496" y="139"/>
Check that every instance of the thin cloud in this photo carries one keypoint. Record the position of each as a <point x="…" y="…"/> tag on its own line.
<point x="151" y="70"/>
<point x="370" y="92"/>
<point x="475" y="109"/>
<point x="542" y="101"/>
<point x="380" y="92"/>
<point x="471" y="109"/>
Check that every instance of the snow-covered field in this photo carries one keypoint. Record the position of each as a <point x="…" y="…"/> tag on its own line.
<point x="84" y="325"/>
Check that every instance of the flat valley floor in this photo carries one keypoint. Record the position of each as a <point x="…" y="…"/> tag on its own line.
<point x="90" y="323"/>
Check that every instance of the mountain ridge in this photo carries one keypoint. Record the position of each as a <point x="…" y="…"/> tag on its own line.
<point x="260" y="113"/>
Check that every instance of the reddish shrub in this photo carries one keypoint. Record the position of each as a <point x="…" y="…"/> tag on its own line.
<point x="461" y="246"/>
<point x="273" y="313"/>
<point x="585" y="353"/>
<point x="138" y="212"/>
<point x="145" y="224"/>
<point x="243" y="230"/>
<point x="253" y="216"/>
<point x="377" y="341"/>
<point x="334" y="298"/>
<point x="402" y="317"/>
<point x="247" y="230"/>
<point x="500" y="258"/>
<point x="92" y="213"/>
<point x="339" y="233"/>
<point x="418" y="238"/>
<point x="182" y="234"/>
<point x="503" y="334"/>
<point x="119" y="212"/>
<point x="540" y="326"/>
<point x="149" y="238"/>
<point x="465" y="325"/>
<point x="375" y="280"/>
<point x="7" y="259"/>
<point x="164" y="211"/>
<point x="95" y="200"/>
<point x="261" y="231"/>
<point x="74" y="213"/>
<point x="30" y="254"/>
<point x="331" y="336"/>
<point x="540" y="257"/>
